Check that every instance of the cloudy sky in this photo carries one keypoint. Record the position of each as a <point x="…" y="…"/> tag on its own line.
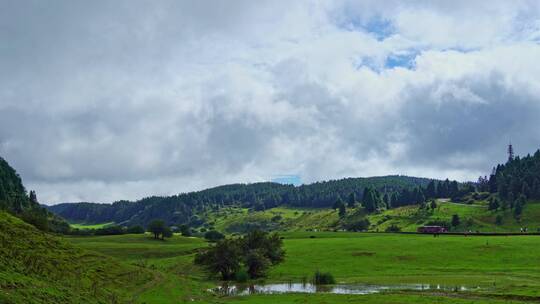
<point x="107" y="100"/>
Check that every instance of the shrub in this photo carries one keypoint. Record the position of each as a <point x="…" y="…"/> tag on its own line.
<point x="241" y="276"/>
<point x="276" y="218"/>
<point x="360" y="225"/>
<point x="135" y="229"/>
<point x="323" y="278"/>
<point x="393" y="228"/>
<point x="214" y="236"/>
<point x="185" y="230"/>
<point x="499" y="220"/>
<point x="455" y="220"/>
<point x="110" y="230"/>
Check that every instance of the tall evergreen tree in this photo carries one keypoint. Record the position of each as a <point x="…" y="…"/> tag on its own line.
<point x="342" y="211"/>
<point x="430" y="190"/>
<point x="352" y="200"/>
<point x="369" y="200"/>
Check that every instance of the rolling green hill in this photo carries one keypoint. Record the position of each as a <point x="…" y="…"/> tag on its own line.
<point x="186" y="208"/>
<point x="474" y="217"/>
<point x="37" y="267"/>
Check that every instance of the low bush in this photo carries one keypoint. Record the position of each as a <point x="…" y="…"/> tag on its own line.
<point x="214" y="236"/>
<point x="393" y="228"/>
<point x="323" y="278"/>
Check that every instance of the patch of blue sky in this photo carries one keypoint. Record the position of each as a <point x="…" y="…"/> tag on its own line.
<point x="369" y="62"/>
<point x="378" y="27"/>
<point x="404" y="60"/>
<point x="288" y="179"/>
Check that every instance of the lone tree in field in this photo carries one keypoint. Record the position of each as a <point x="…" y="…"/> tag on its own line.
<point x="256" y="251"/>
<point x="159" y="229"/>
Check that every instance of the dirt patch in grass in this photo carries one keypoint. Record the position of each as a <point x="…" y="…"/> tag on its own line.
<point x="405" y="258"/>
<point x="363" y="253"/>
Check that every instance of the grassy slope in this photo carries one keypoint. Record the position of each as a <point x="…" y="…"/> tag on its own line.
<point x="409" y="218"/>
<point x="36" y="267"/>
<point x="473" y="217"/>
<point x="176" y="280"/>
<point x="89" y="226"/>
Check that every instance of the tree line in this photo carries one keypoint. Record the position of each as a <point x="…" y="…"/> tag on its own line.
<point x="186" y="208"/>
<point x="515" y="182"/>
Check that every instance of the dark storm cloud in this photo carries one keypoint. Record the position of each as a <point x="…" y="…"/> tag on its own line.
<point x="449" y="127"/>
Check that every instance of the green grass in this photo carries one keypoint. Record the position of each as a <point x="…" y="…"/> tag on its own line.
<point x="389" y="298"/>
<point x="474" y="217"/>
<point x="90" y="226"/>
<point x="506" y="267"/>
<point x="176" y="278"/>
<point x="394" y="258"/>
<point x="37" y="267"/>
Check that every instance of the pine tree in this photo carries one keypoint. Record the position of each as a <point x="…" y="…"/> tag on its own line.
<point x="453" y="189"/>
<point x="493" y="204"/>
<point x="369" y="200"/>
<point x="386" y="200"/>
<point x="430" y="190"/>
<point x="536" y="188"/>
<point x="33" y="197"/>
<point x="342" y="210"/>
<point x="338" y="203"/>
<point x="352" y="200"/>
<point x="518" y="209"/>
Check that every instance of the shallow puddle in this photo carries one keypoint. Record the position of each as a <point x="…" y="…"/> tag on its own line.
<point x="360" y="289"/>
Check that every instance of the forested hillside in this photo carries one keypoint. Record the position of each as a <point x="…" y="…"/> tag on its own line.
<point x="515" y="182"/>
<point x="15" y="200"/>
<point x="185" y="208"/>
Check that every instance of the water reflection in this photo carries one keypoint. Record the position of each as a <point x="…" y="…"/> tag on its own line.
<point x="360" y="289"/>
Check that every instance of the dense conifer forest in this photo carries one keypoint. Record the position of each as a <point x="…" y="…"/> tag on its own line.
<point x="384" y="193"/>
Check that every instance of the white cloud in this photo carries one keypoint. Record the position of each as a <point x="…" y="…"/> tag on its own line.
<point x="103" y="101"/>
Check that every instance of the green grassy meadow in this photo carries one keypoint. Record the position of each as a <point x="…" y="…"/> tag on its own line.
<point x="507" y="269"/>
<point x="135" y="268"/>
